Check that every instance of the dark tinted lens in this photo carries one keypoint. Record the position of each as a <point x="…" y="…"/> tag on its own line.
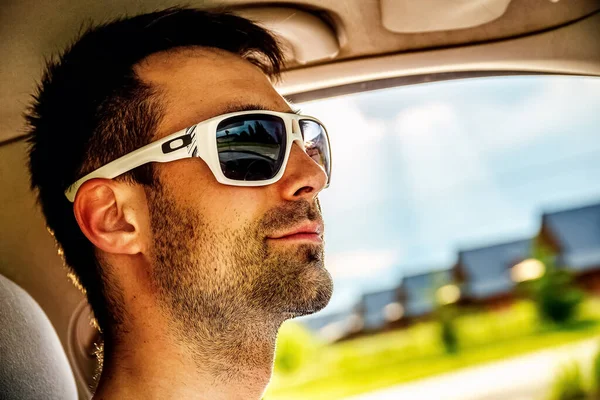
<point x="316" y="142"/>
<point x="251" y="147"/>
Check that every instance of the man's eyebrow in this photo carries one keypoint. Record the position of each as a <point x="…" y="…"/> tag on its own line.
<point x="251" y="107"/>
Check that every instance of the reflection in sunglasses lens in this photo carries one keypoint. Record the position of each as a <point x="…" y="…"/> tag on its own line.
<point x="251" y="147"/>
<point x="316" y="143"/>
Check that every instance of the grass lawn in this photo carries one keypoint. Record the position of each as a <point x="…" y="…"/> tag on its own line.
<point x="390" y="358"/>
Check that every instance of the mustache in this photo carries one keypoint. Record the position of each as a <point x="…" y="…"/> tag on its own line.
<point x="290" y="215"/>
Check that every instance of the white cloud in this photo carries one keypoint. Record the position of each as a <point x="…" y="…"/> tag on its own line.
<point x="356" y="143"/>
<point x="435" y="149"/>
<point x="440" y="162"/>
<point x="361" y="263"/>
<point x="560" y="104"/>
<point x="438" y="170"/>
<point x="425" y="119"/>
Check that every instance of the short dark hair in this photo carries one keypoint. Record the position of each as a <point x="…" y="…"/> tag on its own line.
<point x="90" y="108"/>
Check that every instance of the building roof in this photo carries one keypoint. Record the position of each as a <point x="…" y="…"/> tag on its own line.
<point x="374" y="304"/>
<point x="576" y="232"/>
<point x="487" y="269"/>
<point x="321" y="320"/>
<point x="419" y="291"/>
<point x="331" y="326"/>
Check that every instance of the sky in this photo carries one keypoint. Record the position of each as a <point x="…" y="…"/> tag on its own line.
<point x="421" y="172"/>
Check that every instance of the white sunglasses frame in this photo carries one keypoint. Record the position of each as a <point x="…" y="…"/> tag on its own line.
<point x="199" y="140"/>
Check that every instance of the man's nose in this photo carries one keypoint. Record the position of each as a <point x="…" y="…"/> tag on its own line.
<point x="303" y="177"/>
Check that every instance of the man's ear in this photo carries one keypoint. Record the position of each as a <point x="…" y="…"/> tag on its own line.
<point x="107" y="215"/>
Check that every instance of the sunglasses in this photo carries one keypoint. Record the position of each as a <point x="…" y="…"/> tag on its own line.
<point x="248" y="148"/>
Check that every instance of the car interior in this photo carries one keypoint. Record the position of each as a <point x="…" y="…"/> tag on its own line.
<point x="332" y="48"/>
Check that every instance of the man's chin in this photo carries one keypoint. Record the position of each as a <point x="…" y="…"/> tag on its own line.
<point x="294" y="281"/>
<point x="321" y="290"/>
<point x="300" y="312"/>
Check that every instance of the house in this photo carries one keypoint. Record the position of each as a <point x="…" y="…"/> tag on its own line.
<point x="394" y="307"/>
<point x="381" y="309"/>
<point x="574" y="235"/>
<point x="484" y="273"/>
<point x="333" y="327"/>
<point x="419" y="292"/>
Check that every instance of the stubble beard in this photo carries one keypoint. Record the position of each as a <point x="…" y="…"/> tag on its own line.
<point x="227" y="288"/>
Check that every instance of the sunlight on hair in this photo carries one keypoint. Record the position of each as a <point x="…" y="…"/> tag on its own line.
<point x="99" y="353"/>
<point x="94" y="323"/>
<point x="75" y="281"/>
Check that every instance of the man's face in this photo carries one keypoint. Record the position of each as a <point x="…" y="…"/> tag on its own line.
<point x="213" y="255"/>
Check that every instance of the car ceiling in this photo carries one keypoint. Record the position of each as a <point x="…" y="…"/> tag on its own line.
<point x="31" y="31"/>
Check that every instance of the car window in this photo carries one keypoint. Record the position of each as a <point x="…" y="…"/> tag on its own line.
<point x="456" y="211"/>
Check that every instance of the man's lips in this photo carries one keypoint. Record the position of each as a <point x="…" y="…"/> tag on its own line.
<point x="305" y="232"/>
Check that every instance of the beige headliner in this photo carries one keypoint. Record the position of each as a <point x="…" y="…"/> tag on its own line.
<point x="31" y="30"/>
<point x="533" y="35"/>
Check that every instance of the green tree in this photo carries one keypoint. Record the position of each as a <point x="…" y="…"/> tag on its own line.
<point x="295" y="347"/>
<point x="568" y="384"/>
<point x="445" y="295"/>
<point x="447" y="316"/>
<point x="596" y="376"/>
<point x="556" y="296"/>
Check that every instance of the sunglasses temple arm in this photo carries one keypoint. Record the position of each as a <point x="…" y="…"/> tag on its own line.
<point x="151" y="153"/>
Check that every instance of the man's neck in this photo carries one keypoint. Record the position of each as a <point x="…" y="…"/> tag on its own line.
<point x="150" y="362"/>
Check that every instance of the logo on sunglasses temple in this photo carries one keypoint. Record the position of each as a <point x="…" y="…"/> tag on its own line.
<point x="176" y="144"/>
<point x="192" y="133"/>
<point x="189" y="140"/>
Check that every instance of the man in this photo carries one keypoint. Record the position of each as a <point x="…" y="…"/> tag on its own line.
<point x="182" y="191"/>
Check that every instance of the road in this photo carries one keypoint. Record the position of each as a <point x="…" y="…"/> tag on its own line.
<point x="526" y="377"/>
